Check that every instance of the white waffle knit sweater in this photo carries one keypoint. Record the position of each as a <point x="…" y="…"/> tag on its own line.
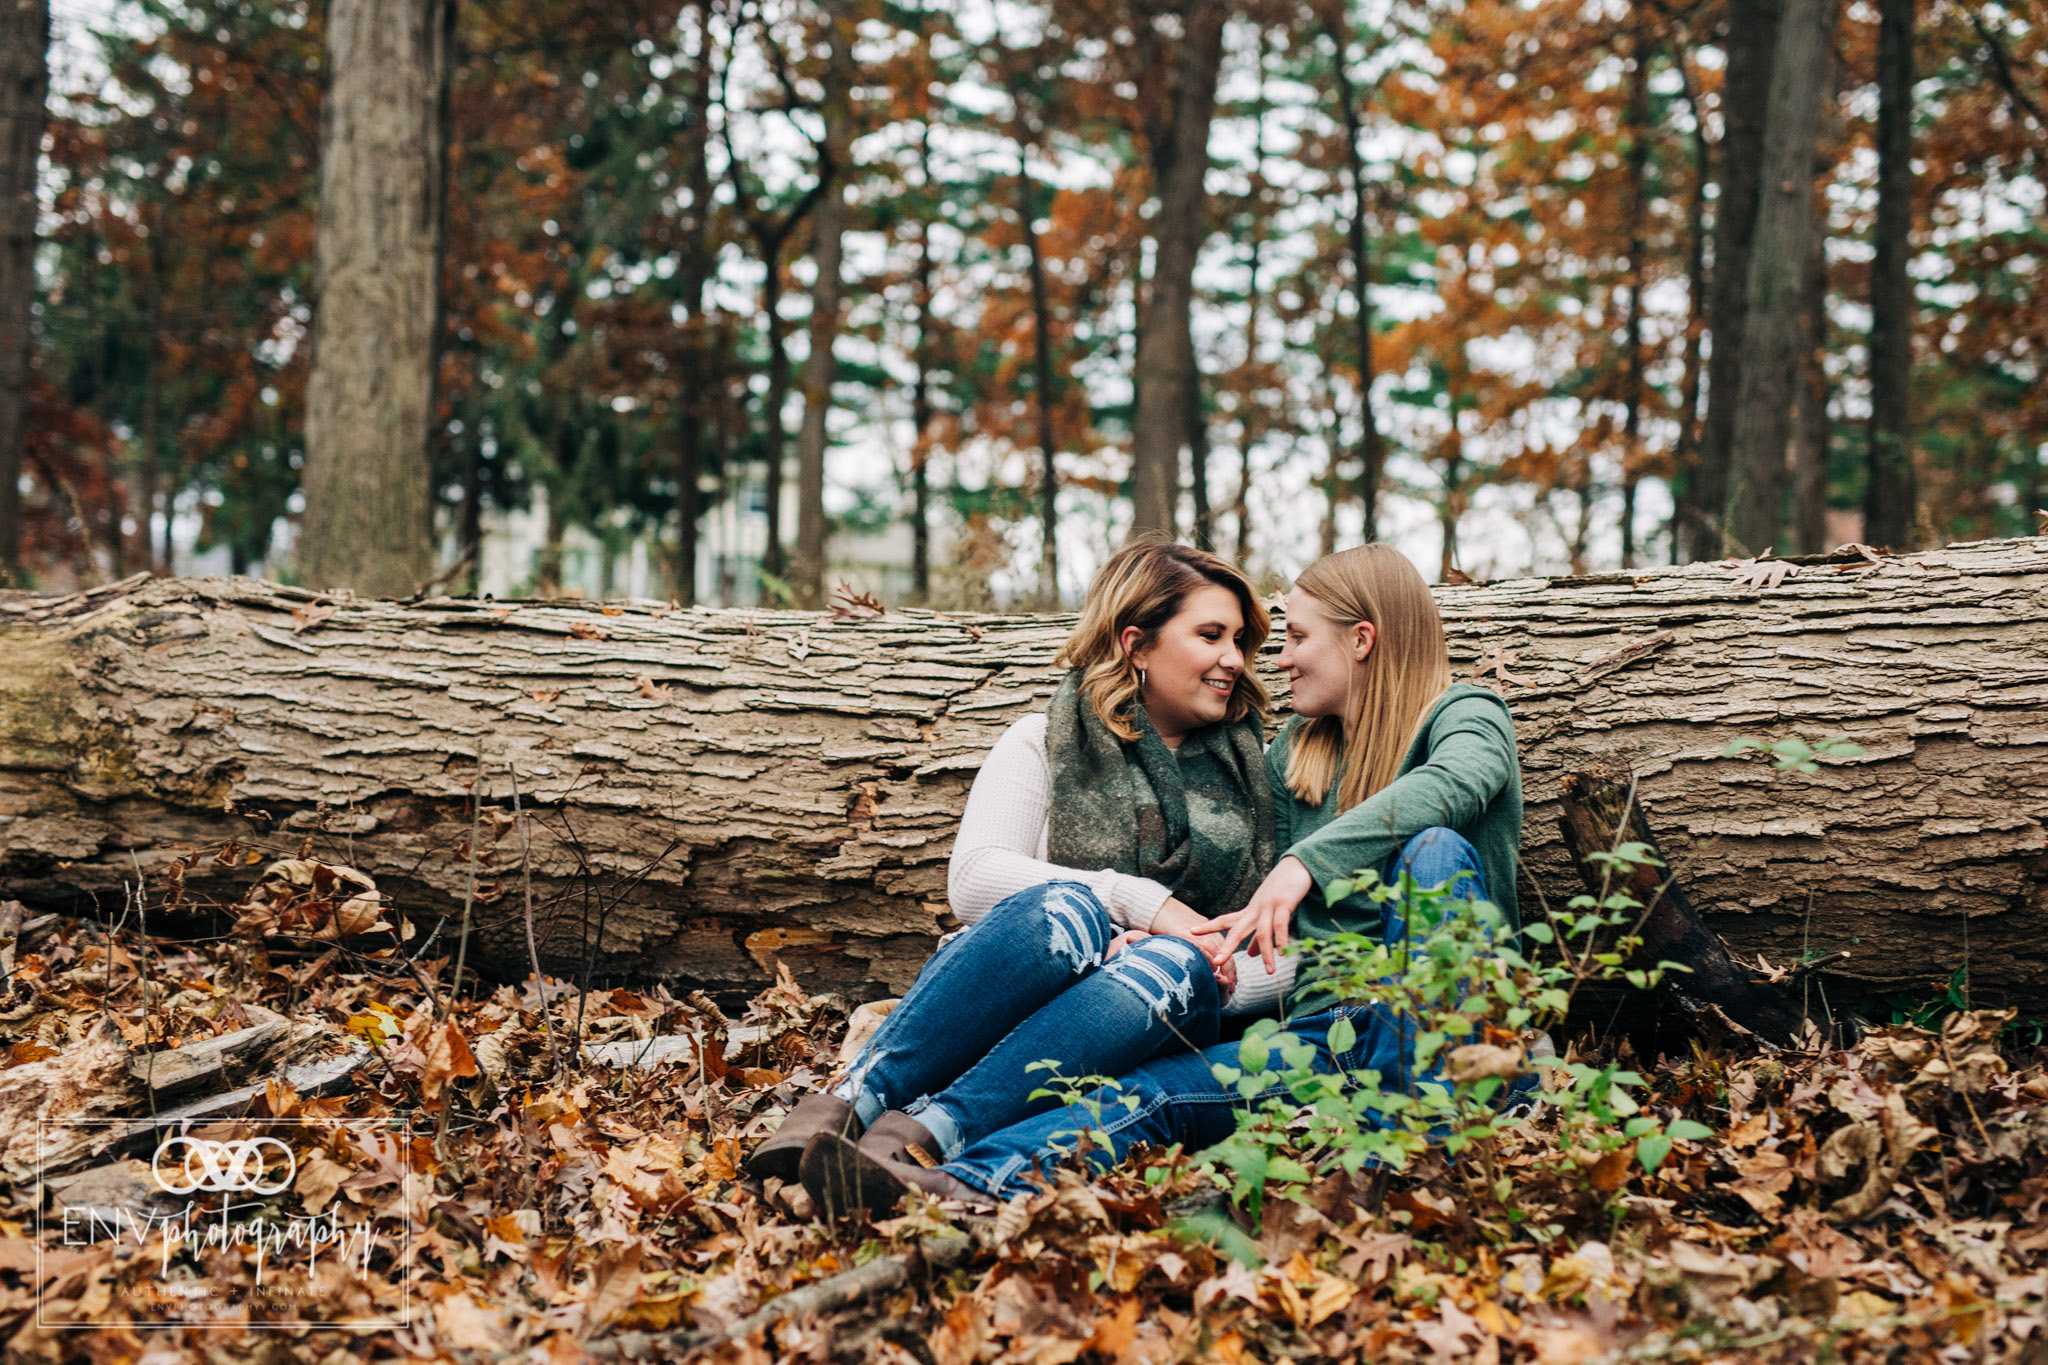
<point x="1001" y="850"/>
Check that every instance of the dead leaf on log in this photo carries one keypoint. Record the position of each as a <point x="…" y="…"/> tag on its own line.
<point x="1458" y="578"/>
<point x="312" y="616"/>
<point x="1762" y="572"/>
<point x="1628" y="654"/>
<point x="1497" y="663"/>
<point x="651" y="690"/>
<point x="764" y="944"/>
<point x="583" y="630"/>
<point x="851" y="605"/>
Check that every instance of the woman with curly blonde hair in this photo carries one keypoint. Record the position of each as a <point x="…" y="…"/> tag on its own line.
<point x="1097" y="834"/>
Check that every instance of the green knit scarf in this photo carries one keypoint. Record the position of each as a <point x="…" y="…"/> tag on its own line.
<point x="1198" y="821"/>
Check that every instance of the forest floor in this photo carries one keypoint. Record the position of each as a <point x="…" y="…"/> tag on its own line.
<point x="1886" y="1201"/>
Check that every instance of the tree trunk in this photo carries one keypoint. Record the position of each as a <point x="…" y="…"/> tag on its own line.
<point x="1041" y="372"/>
<point x="1165" y="356"/>
<point x="1810" y="435"/>
<point x="1370" y="460"/>
<point x="1773" y="329"/>
<point x="1890" y="497"/>
<point x="1685" y="460"/>
<point x="785" y="785"/>
<point x="369" y="523"/>
<point x="24" y="94"/>
<point x="921" y="411"/>
<point x="1198" y="451"/>
<point x="1632" y="330"/>
<point x="772" y="430"/>
<point x="1750" y="43"/>
<point x="828" y="230"/>
<point x="693" y="353"/>
<point x="1453" y="504"/>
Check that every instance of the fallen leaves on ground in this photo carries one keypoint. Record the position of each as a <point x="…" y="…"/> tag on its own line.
<point x="1883" y="1201"/>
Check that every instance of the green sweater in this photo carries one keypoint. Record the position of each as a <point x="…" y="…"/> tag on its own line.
<point x="1461" y="772"/>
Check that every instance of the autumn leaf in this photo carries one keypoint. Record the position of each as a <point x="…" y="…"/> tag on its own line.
<point x="1762" y="572"/>
<point x="851" y="605"/>
<point x="651" y="690"/>
<point x="584" y="630"/>
<point x="462" y="1324"/>
<point x="311" y="617"/>
<point x="448" y="1058"/>
<point x="1497" y="663"/>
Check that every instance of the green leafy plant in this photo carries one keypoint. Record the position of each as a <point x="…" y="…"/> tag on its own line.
<point x="1091" y="1095"/>
<point x="1454" y="1002"/>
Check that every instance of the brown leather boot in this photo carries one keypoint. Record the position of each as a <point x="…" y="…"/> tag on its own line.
<point x="843" y="1177"/>
<point x="894" y="1134"/>
<point x="783" y="1152"/>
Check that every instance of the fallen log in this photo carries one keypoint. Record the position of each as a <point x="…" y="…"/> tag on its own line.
<point x="1716" y="993"/>
<point x="710" y="791"/>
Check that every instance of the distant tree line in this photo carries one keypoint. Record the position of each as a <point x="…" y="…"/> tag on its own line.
<point x="1071" y="270"/>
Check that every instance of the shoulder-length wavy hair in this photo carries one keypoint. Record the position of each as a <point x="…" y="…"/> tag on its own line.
<point x="1408" y="669"/>
<point x="1145" y="585"/>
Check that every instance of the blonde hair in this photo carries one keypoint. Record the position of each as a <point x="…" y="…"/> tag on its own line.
<point x="1145" y="585"/>
<point x="1408" y="669"/>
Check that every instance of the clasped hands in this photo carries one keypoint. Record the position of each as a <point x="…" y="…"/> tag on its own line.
<point x="1264" y="920"/>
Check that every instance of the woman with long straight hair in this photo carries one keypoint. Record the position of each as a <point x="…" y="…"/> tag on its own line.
<point x="1386" y="765"/>
<point x="1098" y="833"/>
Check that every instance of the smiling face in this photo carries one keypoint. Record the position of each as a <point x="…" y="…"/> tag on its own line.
<point x="1193" y="663"/>
<point x="1322" y="656"/>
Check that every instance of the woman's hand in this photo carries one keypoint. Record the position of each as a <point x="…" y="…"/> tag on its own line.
<point x="1178" y="920"/>
<point x="1265" y="916"/>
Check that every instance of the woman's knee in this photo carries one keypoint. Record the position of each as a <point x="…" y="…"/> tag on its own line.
<point x="1068" y="918"/>
<point x="1441" y="857"/>
<point x="1170" y="975"/>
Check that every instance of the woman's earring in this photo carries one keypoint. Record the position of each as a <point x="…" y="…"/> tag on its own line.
<point x="1141" y="680"/>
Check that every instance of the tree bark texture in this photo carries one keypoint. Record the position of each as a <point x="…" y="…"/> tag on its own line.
<point x="1773" y="330"/>
<point x="1750" y="43"/>
<point x="1166" y="358"/>
<point x="24" y="93"/>
<point x="1890" y="495"/>
<point x="828" y="233"/>
<point x="368" y="524"/>
<point x="719" y="789"/>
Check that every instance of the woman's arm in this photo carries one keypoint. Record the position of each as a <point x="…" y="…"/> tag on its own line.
<point x="1470" y="759"/>
<point x="999" y="850"/>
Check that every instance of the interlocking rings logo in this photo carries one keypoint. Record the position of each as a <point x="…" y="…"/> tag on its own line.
<point x="253" y="1164"/>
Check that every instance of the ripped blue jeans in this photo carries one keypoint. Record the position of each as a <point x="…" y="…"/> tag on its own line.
<point x="1026" y="983"/>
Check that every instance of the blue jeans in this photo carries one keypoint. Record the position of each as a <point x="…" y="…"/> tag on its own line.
<point x="1026" y="983"/>
<point x="1179" y="1098"/>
